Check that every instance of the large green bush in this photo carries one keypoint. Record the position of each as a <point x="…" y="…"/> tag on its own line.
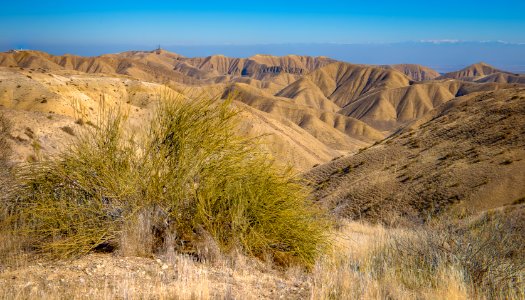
<point x="187" y="172"/>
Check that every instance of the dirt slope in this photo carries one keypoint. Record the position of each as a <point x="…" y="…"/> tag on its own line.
<point x="337" y="131"/>
<point x="482" y="72"/>
<point x="467" y="154"/>
<point x="415" y="72"/>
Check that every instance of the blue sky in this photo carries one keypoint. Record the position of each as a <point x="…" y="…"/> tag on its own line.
<point x="70" y="26"/>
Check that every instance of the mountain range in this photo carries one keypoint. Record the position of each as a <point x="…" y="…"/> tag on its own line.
<point x="363" y="134"/>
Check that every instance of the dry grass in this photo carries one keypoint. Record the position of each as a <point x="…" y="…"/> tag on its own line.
<point x="168" y="275"/>
<point x="364" y="262"/>
<point x="99" y="276"/>
<point x="480" y="259"/>
<point x="8" y="244"/>
<point x="5" y="154"/>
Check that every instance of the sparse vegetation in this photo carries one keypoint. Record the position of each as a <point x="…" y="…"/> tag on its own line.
<point x="68" y="130"/>
<point x="188" y="178"/>
<point x="481" y="258"/>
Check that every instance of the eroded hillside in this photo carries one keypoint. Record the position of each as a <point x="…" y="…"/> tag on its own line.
<point x="467" y="154"/>
<point x="308" y="109"/>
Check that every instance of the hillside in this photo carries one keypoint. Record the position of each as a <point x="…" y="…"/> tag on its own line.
<point x="310" y="109"/>
<point x="467" y="154"/>
<point x="46" y="109"/>
<point x="342" y="82"/>
<point x="415" y="72"/>
<point x="388" y="109"/>
<point x="163" y="66"/>
<point x="482" y="72"/>
<point x="336" y="131"/>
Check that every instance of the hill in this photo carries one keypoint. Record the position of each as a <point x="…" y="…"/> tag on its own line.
<point x="389" y="109"/>
<point x="467" y="154"/>
<point x="415" y="72"/>
<point x="48" y="108"/>
<point x="163" y="66"/>
<point x="336" y="131"/>
<point x="482" y="72"/>
<point x="312" y="108"/>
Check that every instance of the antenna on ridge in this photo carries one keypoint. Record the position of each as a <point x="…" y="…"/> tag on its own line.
<point x="158" y="50"/>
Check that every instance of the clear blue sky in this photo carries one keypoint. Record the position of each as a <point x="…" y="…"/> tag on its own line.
<point x="271" y="21"/>
<point x="71" y="26"/>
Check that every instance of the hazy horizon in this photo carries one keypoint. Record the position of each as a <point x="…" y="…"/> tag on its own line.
<point x="350" y="31"/>
<point x="443" y="56"/>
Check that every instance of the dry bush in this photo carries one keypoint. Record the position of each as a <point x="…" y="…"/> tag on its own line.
<point x="491" y="250"/>
<point x="482" y="259"/>
<point x="186" y="177"/>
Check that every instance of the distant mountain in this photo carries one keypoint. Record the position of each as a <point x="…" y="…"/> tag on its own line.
<point x="415" y="72"/>
<point x="164" y="66"/>
<point x="473" y="71"/>
<point x="482" y="72"/>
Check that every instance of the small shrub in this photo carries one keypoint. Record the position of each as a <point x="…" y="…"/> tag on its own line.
<point x="68" y="130"/>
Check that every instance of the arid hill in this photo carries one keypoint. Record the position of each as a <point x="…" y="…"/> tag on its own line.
<point x="383" y="98"/>
<point x="343" y="83"/>
<point x="389" y="109"/>
<point x="48" y="109"/>
<point x="482" y="72"/>
<point x="415" y="72"/>
<point x="467" y="154"/>
<point x="336" y="131"/>
<point x="310" y="109"/>
<point x="163" y="66"/>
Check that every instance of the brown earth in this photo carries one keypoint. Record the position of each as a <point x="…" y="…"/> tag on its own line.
<point x="465" y="155"/>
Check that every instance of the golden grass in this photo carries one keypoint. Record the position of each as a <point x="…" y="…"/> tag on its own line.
<point x="372" y="262"/>
<point x="176" y="276"/>
<point x="364" y="262"/>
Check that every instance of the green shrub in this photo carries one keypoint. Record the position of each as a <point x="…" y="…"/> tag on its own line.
<point x="76" y="201"/>
<point x="187" y="172"/>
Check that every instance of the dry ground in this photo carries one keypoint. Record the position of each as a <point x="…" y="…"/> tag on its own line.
<point x="467" y="155"/>
<point x="363" y="261"/>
